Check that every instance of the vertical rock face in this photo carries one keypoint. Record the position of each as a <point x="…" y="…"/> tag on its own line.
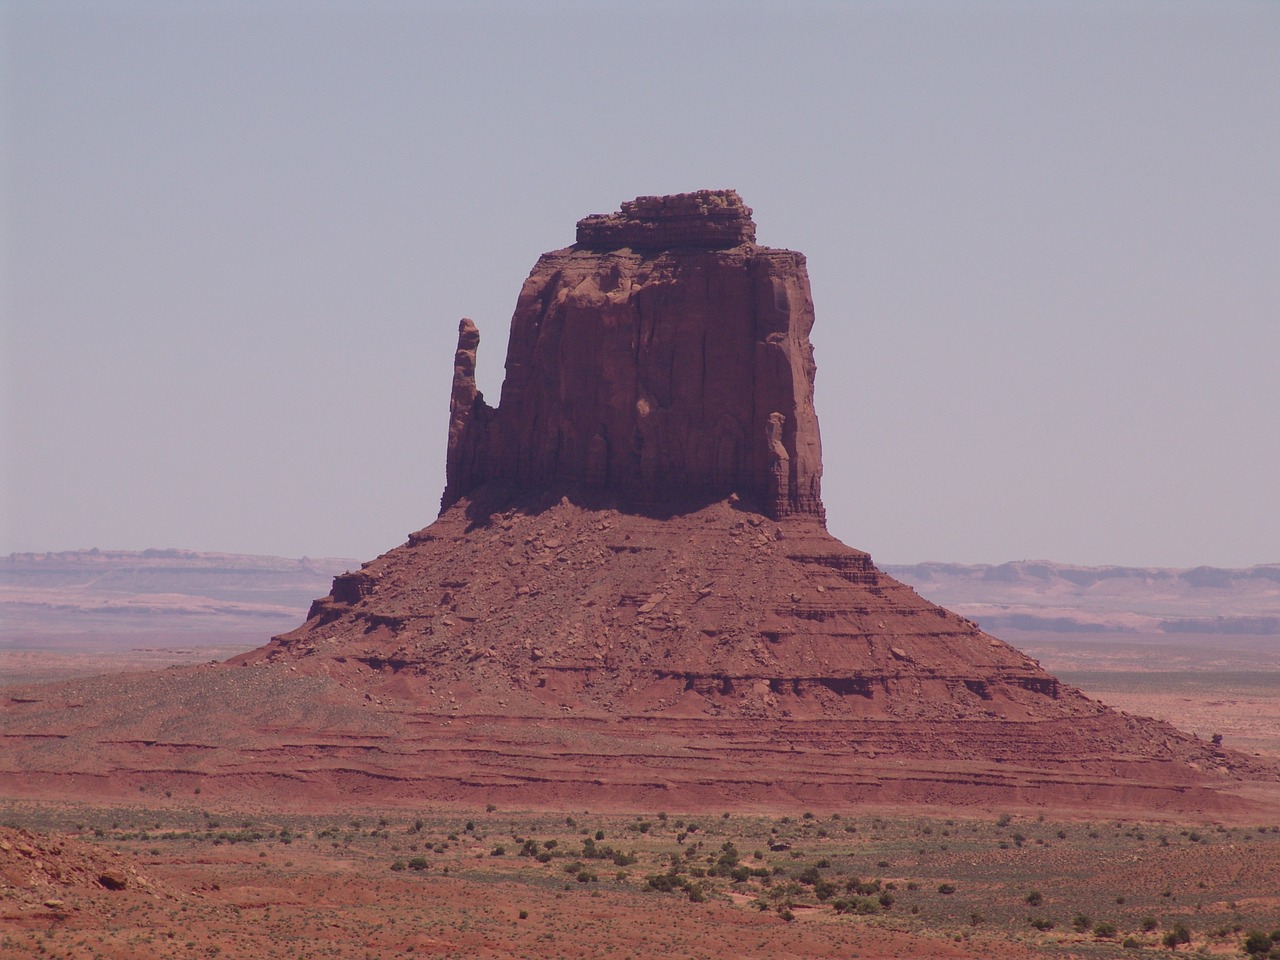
<point x="664" y="358"/>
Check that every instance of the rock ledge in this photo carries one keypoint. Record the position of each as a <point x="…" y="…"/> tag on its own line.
<point x="710" y="219"/>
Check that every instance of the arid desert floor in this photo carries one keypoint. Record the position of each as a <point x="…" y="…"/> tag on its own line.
<point x="195" y="882"/>
<point x="185" y="876"/>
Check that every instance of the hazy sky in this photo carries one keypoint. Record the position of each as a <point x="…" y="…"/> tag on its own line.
<point x="1044" y="241"/>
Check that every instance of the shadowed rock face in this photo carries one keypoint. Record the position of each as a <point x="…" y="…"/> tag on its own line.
<point x="664" y="358"/>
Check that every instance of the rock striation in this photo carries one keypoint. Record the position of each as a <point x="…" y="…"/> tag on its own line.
<point x="662" y="360"/>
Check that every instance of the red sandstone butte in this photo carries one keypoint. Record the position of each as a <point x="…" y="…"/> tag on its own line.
<point x="664" y="358"/>
<point x="629" y="599"/>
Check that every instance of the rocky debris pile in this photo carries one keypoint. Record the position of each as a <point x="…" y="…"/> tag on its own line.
<point x="650" y="369"/>
<point x="47" y="878"/>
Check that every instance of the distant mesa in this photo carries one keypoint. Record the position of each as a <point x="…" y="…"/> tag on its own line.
<point x="1061" y="598"/>
<point x="630" y="598"/>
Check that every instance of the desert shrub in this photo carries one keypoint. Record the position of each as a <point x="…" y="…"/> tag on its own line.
<point x="862" y="906"/>
<point x="498" y="851"/>
<point x="1257" y="943"/>
<point x="824" y="889"/>
<point x="729" y="857"/>
<point x="696" y="894"/>
<point x="1034" y="898"/>
<point x="524" y="914"/>
<point x="1080" y="921"/>
<point x="1105" y="930"/>
<point x="1040" y="923"/>
<point x="418" y="863"/>
<point x="1131" y="944"/>
<point x="946" y="888"/>
<point x="665" y="882"/>
<point x="398" y="866"/>
<point x="1179" y="934"/>
<point x="1148" y="924"/>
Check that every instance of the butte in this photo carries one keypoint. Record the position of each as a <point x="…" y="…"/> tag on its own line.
<point x="629" y="599"/>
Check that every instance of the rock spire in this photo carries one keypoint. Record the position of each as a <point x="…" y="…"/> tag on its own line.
<point x="663" y="359"/>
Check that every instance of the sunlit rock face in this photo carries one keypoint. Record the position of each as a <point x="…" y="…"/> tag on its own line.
<point x="664" y="358"/>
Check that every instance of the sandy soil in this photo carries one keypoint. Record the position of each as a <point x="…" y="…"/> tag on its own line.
<point x="199" y="883"/>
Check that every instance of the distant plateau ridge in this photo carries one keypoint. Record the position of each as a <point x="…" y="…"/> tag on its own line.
<point x="124" y="591"/>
